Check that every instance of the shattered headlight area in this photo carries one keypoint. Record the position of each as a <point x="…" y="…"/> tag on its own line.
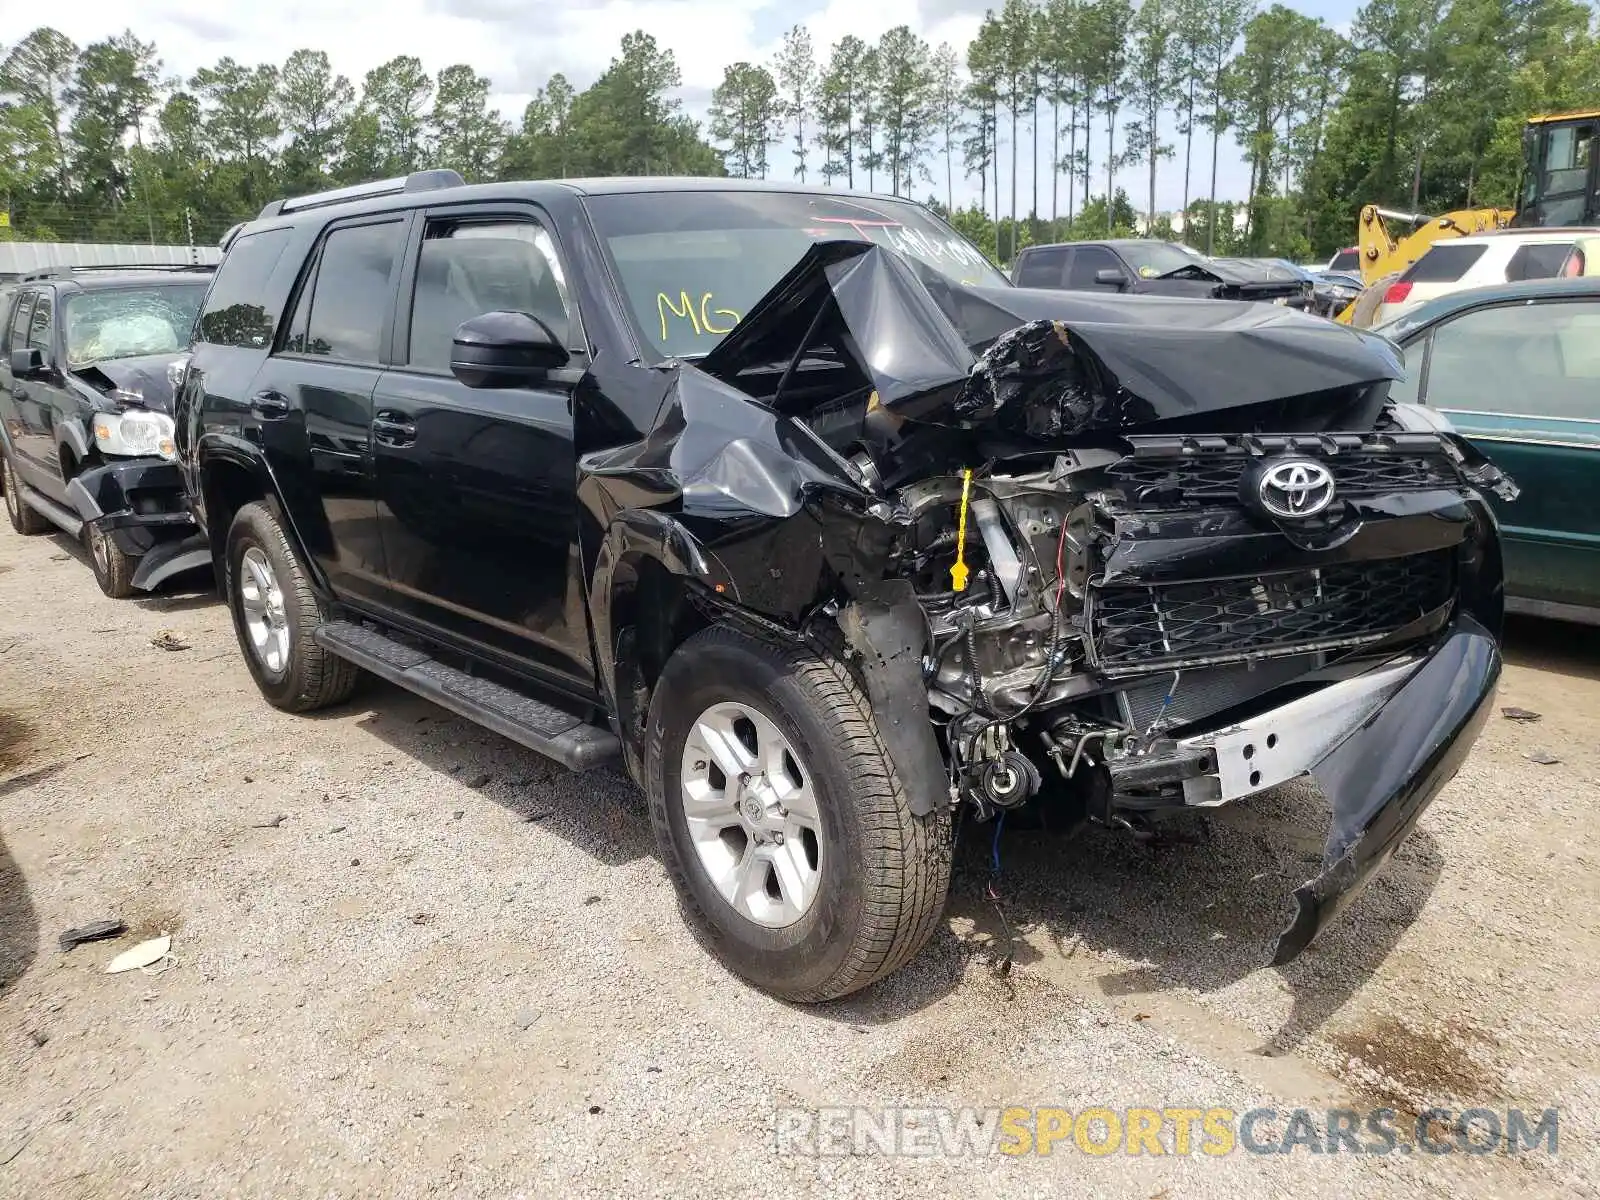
<point x="1162" y="555"/>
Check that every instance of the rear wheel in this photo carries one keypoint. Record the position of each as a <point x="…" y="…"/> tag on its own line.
<point x="23" y="519"/>
<point x="275" y="611"/>
<point x="113" y="570"/>
<point x="782" y="822"/>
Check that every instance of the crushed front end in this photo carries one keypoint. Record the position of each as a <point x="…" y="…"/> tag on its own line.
<point x="1135" y="622"/>
<point x="1162" y="554"/>
<point x="135" y="498"/>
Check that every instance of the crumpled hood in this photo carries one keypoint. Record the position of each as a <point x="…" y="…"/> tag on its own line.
<point x="144" y="377"/>
<point x="1037" y="362"/>
<point x="1245" y="271"/>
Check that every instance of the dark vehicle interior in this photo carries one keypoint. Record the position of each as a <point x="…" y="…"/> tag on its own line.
<point x="1561" y="172"/>
<point x="462" y="278"/>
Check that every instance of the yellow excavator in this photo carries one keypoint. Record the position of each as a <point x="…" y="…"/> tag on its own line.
<point x="1560" y="188"/>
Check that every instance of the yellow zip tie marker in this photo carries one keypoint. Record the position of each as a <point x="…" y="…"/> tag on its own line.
<point x="958" y="573"/>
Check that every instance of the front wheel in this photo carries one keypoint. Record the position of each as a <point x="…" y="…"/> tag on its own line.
<point x="782" y="822"/>
<point x="113" y="570"/>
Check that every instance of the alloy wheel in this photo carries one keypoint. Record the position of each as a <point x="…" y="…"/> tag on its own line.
<point x="752" y="814"/>
<point x="265" y="620"/>
<point x="99" y="546"/>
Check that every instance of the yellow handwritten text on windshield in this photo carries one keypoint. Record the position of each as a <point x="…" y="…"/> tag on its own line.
<point x="698" y="315"/>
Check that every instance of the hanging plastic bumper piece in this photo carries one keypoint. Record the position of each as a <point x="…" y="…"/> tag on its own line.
<point x="139" y="503"/>
<point x="1383" y="775"/>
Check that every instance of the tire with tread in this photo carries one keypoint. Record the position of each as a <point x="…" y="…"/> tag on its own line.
<point x="887" y="871"/>
<point x="314" y="677"/>
<point x="24" y="520"/>
<point x="115" y="573"/>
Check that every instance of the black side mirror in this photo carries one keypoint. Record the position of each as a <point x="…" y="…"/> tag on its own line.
<point x="1110" y="277"/>
<point x="504" y="349"/>
<point x="27" y="363"/>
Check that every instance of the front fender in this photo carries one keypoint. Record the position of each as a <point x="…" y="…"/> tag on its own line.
<point x="216" y="449"/>
<point x="71" y="434"/>
<point x="633" y="536"/>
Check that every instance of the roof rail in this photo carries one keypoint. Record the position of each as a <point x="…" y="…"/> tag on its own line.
<point x="417" y="181"/>
<point x="69" y="272"/>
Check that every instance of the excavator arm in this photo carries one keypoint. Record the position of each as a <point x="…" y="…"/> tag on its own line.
<point x="1382" y="253"/>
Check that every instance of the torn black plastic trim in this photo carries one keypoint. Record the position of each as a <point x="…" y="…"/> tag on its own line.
<point x="169" y="559"/>
<point x="886" y="632"/>
<point x="1482" y="473"/>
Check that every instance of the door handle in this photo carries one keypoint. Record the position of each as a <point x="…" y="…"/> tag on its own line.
<point x="270" y="405"/>
<point x="393" y="429"/>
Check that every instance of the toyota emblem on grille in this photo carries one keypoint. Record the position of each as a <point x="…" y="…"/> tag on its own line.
<point x="1295" y="488"/>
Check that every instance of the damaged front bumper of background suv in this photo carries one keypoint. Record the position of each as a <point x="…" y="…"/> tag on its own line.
<point x="1164" y="554"/>
<point x="138" y="500"/>
<point x="140" y="505"/>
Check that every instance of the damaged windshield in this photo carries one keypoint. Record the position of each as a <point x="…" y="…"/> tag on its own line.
<point x="115" y="323"/>
<point x="692" y="263"/>
<point x="1154" y="259"/>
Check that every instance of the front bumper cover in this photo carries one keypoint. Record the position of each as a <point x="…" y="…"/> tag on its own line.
<point x="1380" y="745"/>
<point x="139" y="503"/>
<point x="1381" y="777"/>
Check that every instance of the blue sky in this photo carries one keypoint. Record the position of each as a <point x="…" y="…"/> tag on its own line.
<point x="518" y="44"/>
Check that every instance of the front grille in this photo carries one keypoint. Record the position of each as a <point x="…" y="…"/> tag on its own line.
<point x="1147" y="628"/>
<point x="1208" y="480"/>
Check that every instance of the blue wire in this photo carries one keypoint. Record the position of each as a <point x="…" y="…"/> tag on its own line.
<point x="994" y="850"/>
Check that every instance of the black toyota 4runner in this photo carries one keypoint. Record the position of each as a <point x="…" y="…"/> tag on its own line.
<point x="86" y="385"/>
<point x="783" y="500"/>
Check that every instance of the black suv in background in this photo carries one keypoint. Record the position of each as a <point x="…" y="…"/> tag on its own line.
<point x="786" y="502"/>
<point x="1147" y="267"/>
<point x="86" y="384"/>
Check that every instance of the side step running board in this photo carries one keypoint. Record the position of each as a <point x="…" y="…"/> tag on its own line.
<point x="64" y="519"/>
<point x="541" y="727"/>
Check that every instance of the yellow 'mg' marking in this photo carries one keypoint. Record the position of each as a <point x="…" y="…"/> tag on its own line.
<point x="699" y="316"/>
<point x="664" y="305"/>
<point x="705" y="319"/>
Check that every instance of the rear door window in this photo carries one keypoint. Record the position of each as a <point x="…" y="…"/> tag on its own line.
<point x="1044" y="267"/>
<point x="1443" y="263"/>
<point x="1527" y="359"/>
<point x="237" y="311"/>
<point x="351" y="294"/>
<point x="1542" y="261"/>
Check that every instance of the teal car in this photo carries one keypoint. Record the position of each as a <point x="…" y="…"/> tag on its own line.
<point x="1516" y="369"/>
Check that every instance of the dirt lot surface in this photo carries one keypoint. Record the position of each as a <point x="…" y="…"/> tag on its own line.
<point x="450" y="968"/>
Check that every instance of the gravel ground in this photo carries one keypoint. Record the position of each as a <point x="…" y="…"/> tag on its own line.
<point x="451" y="968"/>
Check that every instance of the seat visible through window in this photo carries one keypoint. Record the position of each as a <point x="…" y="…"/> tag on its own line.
<point x="462" y="278"/>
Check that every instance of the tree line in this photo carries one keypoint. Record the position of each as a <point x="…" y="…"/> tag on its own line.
<point x="1420" y="104"/>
